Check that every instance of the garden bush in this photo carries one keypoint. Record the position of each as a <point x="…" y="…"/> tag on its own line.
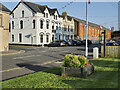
<point x="75" y="61"/>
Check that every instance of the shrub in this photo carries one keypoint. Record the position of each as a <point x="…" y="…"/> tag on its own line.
<point x="75" y="61"/>
<point x="71" y="61"/>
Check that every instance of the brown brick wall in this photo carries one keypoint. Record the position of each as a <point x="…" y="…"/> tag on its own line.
<point x="93" y="32"/>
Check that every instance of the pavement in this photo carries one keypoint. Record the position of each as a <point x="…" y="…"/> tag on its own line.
<point x="37" y="59"/>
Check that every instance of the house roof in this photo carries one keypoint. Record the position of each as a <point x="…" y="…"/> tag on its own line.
<point x="3" y="8"/>
<point x="37" y="8"/>
<point x="68" y="17"/>
<point x="89" y="23"/>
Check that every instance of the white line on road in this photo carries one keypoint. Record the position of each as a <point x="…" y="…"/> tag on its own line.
<point x="26" y="56"/>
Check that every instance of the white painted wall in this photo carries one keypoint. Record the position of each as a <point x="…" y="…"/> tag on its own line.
<point x="28" y="29"/>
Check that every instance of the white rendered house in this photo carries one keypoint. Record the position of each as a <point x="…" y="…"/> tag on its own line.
<point x="34" y="24"/>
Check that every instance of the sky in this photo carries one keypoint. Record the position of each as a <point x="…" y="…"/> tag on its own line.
<point x="101" y="12"/>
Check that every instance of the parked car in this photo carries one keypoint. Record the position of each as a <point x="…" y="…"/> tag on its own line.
<point x="75" y="43"/>
<point x="58" y="43"/>
<point x="112" y="44"/>
<point x="89" y="41"/>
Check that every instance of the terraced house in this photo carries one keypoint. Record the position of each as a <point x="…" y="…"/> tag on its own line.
<point x="4" y="28"/>
<point x="34" y="24"/>
<point x="94" y="31"/>
<point x="68" y="26"/>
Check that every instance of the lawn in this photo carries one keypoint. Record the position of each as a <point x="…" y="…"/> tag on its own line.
<point x="105" y="76"/>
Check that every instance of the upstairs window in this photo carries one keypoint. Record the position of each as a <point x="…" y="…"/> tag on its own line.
<point x="56" y="17"/>
<point x="56" y="26"/>
<point x="68" y="29"/>
<point x="46" y="15"/>
<point x="52" y="26"/>
<point x="12" y="15"/>
<point x="41" y="24"/>
<point x="22" y="13"/>
<point x="33" y="14"/>
<point x="33" y="24"/>
<point x="21" y="24"/>
<point x="47" y="24"/>
<point x="12" y="24"/>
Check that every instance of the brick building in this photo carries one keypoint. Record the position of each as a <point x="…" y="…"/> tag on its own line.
<point x="94" y="31"/>
<point x="4" y="28"/>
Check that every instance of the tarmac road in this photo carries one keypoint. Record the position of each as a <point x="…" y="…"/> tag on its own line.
<point x="37" y="59"/>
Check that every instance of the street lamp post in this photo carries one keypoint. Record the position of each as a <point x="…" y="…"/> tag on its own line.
<point x="86" y="48"/>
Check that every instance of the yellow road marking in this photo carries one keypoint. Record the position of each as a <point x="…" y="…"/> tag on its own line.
<point x="11" y="69"/>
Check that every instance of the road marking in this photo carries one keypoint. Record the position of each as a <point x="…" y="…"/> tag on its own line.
<point x="11" y="69"/>
<point x="26" y="56"/>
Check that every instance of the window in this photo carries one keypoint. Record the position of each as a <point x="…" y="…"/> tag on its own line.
<point x="71" y="37"/>
<point x="47" y="24"/>
<point x="46" y="15"/>
<point x="47" y="38"/>
<point x="65" y="29"/>
<point x="33" y="24"/>
<point x="68" y="29"/>
<point x="41" y="38"/>
<point x="56" y="26"/>
<point x="52" y="26"/>
<point x="59" y="37"/>
<point x="56" y="17"/>
<point x="20" y="37"/>
<point x="33" y="14"/>
<point x="41" y="24"/>
<point x="59" y="26"/>
<point x="52" y="37"/>
<point x="12" y="15"/>
<point x="71" y="29"/>
<point x="12" y="38"/>
<point x="12" y="24"/>
<point x="21" y="24"/>
<point x="22" y="13"/>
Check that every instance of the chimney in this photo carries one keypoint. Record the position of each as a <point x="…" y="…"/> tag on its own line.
<point x="64" y="14"/>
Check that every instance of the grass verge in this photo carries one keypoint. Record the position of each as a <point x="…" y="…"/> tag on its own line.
<point x="105" y="76"/>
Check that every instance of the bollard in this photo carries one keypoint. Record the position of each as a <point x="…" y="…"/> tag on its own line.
<point x="95" y="53"/>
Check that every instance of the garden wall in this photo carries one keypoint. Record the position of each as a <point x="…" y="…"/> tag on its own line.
<point x="111" y="51"/>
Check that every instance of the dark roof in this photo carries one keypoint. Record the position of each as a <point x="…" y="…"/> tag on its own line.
<point x="37" y="8"/>
<point x="89" y="23"/>
<point x="68" y="17"/>
<point x="3" y="8"/>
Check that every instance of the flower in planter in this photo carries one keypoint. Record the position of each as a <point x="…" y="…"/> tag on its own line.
<point x="87" y="63"/>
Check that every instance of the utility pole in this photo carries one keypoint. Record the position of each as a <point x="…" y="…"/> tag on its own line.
<point x="86" y="48"/>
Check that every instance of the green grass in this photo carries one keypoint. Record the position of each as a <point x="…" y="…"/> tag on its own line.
<point x="105" y="76"/>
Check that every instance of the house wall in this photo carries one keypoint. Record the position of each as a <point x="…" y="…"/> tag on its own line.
<point x="34" y="34"/>
<point x="68" y="35"/>
<point x="27" y="32"/>
<point x="4" y="31"/>
<point x="93" y="33"/>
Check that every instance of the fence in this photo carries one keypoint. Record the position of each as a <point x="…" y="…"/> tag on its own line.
<point x="111" y="51"/>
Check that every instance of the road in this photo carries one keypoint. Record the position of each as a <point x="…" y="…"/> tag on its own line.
<point x="36" y="59"/>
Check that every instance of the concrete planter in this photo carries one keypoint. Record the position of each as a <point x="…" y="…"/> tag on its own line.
<point x="78" y="72"/>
